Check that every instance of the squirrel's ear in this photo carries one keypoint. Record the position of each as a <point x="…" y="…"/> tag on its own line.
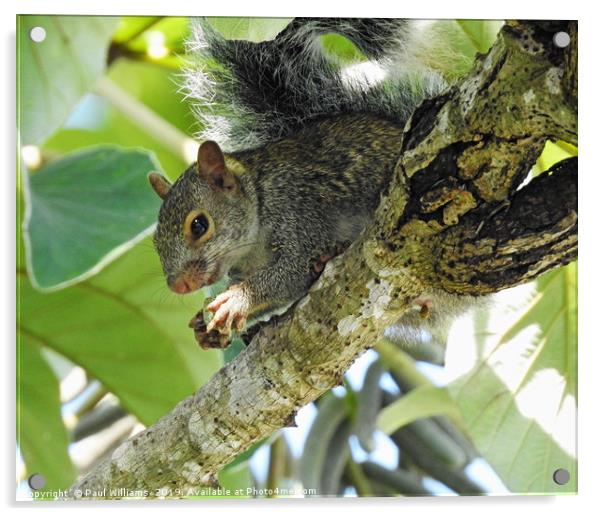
<point x="212" y="167"/>
<point x="160" y="185"/>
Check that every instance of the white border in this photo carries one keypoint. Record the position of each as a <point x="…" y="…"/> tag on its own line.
<point x="590" y="350"/>
<point x="535" y="9"/>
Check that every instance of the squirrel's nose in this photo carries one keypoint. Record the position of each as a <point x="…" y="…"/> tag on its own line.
<point x="180" y="286"/>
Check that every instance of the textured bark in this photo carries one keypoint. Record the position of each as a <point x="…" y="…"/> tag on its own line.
<point x="453" y="219"/>
<point x="534" y="231"/>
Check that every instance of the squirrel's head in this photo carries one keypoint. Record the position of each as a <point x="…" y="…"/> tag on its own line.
<point x="206" y="222"/>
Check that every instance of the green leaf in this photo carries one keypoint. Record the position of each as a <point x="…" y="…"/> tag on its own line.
<point x="342" y="48"/>
<point x="421" y="402"/>
<point x="54" y="74"/>
<point x="517" y="390"/>
<point x="553" y="152"/>
<point x="86" y="209"/>
<point x="132" y="27"/>
<point x="127" y="330"/>
<point x="250" y="29"/>
<point x="41" y="434"/>
<point x="480" y="33"/>
<point x="108" y="125"/>
<point x="451" y="45"/>
<point x="236" y="479"/>
<point x="155" y="87"/>
<point x="139" y="33"/>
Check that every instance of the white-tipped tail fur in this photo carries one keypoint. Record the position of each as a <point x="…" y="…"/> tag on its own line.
<point x="247" y="94"/>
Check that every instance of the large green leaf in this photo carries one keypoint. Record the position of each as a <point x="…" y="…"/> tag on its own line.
<point x="41" y="435"/>
<point x="250" y="29"/>
<point x="110" y="126"/>
<point x="517" y="391"/>
<point x="126" y="329"/>
<point x="54" y="74"/>
<point x="84" y="210"/>
<point x="137" y="279"/>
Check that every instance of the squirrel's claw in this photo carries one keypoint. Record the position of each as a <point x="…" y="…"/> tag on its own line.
<point x="218" y="301"/>
<point x="230" y="308"/>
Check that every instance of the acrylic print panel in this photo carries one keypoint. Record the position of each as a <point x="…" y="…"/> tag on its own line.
<point x="401" y="192"/>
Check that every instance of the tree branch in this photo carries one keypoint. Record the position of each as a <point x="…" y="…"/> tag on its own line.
<point x="453" y="213"/>
<point x="534" y="231"/>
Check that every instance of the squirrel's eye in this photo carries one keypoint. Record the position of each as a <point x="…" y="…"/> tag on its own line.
<point x="199" y="226"/>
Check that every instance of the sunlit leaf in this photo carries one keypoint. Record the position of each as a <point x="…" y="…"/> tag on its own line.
<point x="480" y="33"/>
<point x="41" y="434"/>
<point x="553" y="152"/>
<point x="250" y="29"/>
<point x="518" y="394"/>
<point x="131" y="27"/>
<point x="139" y="34"/>
<point x="54" y="74"/>
<point x="341" y="47"/>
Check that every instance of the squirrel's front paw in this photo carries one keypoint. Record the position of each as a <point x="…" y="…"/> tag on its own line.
<point x="230" y="308"/>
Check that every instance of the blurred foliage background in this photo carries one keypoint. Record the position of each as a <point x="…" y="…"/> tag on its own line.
<point x="104" y="348"/>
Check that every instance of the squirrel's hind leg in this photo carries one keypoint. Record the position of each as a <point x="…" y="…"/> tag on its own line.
<point x="207" y="339"/>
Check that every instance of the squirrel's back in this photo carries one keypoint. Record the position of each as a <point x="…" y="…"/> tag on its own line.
<point x="318" y="189"/>
<point x="321" y="187"/>
<point x="345" y="160"/>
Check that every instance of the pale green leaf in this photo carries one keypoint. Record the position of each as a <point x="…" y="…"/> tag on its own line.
<point x="54" y="74"/>
<point x="480" y="33"/>
<point x="236" y="479"/>
<point x="249" y="29"/>
<point x="41" y="434"/>
<point x="421" y="402"/>
<point x="517" y="393"/>
<point x="149" y="33"/>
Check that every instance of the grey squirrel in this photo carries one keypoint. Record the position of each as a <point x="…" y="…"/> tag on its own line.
<point x="310" y="151"/>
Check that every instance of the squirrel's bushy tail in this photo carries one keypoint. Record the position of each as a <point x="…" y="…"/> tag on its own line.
<point x="246" y="94"/>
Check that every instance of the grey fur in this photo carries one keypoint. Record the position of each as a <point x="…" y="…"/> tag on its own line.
<point x="313" y="148"/>
<point x="247" y="94"/>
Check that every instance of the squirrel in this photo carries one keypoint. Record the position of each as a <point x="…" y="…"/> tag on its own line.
<point x="297" y="152"/>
